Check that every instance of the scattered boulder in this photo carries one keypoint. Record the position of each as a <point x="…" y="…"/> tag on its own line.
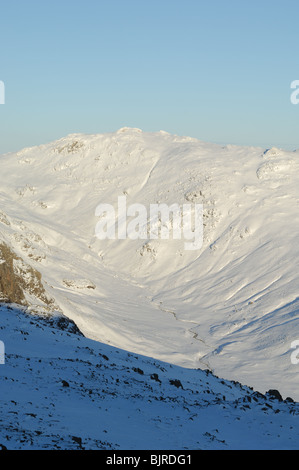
<point x="289" y="400"/>
<point x="274" y="395"/>
<point x="177" y="383"/>
<point x="139" y="371"/>
<point x="155" y="377"/>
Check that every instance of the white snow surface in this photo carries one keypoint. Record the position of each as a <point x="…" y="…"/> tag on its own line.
<point x="231" y="307"/>
<point x="60" y="390"/>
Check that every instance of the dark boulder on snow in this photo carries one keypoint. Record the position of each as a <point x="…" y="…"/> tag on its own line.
<point x="274" y="395"/>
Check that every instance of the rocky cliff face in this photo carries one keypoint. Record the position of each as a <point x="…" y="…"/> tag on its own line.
<point x="18" y="280"/>
<point x="10" y="283"/>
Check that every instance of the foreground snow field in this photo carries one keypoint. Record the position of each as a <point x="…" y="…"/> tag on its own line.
<point x="231" y="307"/>
<point x="60" y="390"/>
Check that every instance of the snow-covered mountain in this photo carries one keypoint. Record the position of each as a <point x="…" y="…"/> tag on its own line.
<point x="230" y="307"/>
<point x="60" y="390"/>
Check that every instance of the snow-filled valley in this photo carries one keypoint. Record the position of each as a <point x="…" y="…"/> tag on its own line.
<point x="230" y="307"/>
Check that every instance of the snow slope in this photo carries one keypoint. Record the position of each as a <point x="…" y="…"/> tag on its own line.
<point x="231" y="307"/>
<point x="60" y="390"/>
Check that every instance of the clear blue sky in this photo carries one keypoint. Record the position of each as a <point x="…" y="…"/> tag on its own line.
<point x="212" y="69"/>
